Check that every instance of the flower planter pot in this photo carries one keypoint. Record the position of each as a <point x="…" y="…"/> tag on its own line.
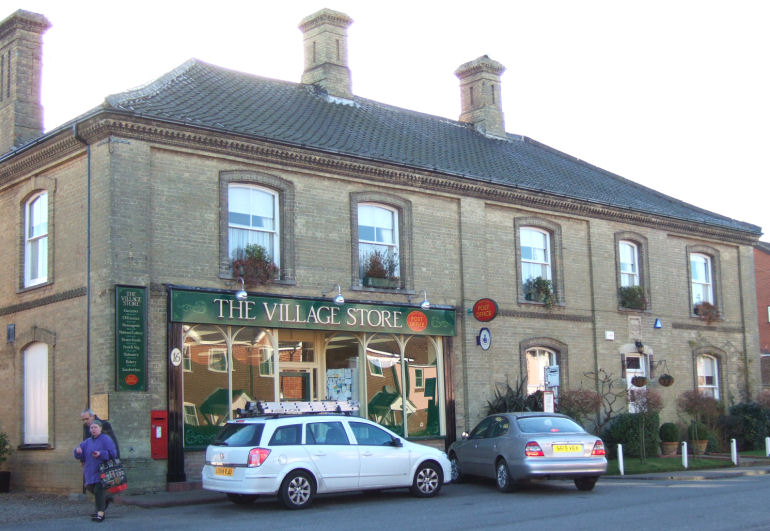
<point x="668" y="448"/>
<point x="374" y="282"/>
<point x="666" y="380"/>
<point x="639" y="381"/>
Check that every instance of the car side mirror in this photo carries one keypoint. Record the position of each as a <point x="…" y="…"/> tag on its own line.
<point x="464" y="435"/>
<point x="397" y="442"/>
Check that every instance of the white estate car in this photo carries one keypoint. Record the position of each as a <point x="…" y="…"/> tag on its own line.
<point x="296" y="455"/>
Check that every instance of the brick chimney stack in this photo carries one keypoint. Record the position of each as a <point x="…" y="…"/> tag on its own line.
<point x="21" y="53"/>
<point x="326" y="52"/>
<point x="480" y="95"/>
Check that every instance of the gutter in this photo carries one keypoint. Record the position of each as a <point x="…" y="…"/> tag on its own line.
<point x="80" y="139"/>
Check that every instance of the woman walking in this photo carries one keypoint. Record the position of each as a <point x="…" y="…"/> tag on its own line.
<point x="93" y="452"/>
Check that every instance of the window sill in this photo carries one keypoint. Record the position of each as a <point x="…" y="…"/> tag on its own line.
<point x="27" y="447"/>
<point x="36" y="286"/>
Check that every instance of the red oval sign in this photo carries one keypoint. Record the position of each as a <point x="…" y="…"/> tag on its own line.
<point x="485" y="310"/>
<point x="132" y="379"/>
<point x="417" y="321"/>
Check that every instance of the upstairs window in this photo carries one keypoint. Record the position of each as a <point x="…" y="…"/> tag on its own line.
<point x="629" y="264"/>
<point x="701" y="279"/>
<point x="253" y="220"/>
<point x="535" y="254"/>
<point x="378" y="242"/>
<point x="36" y="240"/>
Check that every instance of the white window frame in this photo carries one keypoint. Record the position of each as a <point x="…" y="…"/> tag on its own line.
<point x="186" y="359"/>
<point x="419" y="378"/>
<point x="705" y="364"/>
<point x="629" y="271"/>
<point x="387" y="245"/>
<point x="255" y="233"/>
<point x="36" y="243"/>
<point x="544" y="357"/>
<point x="545" y="264"/>
<point x="215" y="354"/>
<point x="266" y="362"/>
<point x="701" y="286"/>
<point x="36" y="394"/>
<point x="186" y="406"/>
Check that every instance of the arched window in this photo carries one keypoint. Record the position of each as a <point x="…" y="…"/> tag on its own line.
<point x="36" y="240"/>
<point x="535" y="254"/>
<point x="378" y="240"/>
<point x="537" y="361"/>
<point x="701" y="279"/>
<point x="629" y="264"/>
<point x="253" y="220"/>
<point x="708" y="375"/>
<point x="36" y="394"/>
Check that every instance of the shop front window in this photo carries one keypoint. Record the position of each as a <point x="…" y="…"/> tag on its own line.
<point x="421" y="387"/>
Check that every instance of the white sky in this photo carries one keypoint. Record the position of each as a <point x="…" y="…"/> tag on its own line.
<point x="672" y="94"/>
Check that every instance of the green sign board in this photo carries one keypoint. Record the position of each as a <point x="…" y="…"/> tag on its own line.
<point x="131" y="337"/>
<point x="189" y="306"/>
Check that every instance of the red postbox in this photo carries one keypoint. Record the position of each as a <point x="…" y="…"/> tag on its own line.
<point x="159" y="434"/>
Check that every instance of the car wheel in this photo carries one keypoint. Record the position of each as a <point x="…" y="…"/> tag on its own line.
<point x="503" y="479"/>
<point x="297" y="490"/>
<point x="586" y="483"/>
<point x="457" y="473"/>
<point x="241" y="499"/>
<point x="427" y="480"/>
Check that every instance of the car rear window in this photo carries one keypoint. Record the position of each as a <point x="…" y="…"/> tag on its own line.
<point x="238" y="434"/>
<point x="548" y="425"/>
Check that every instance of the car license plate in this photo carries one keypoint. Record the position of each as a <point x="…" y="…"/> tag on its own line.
<point x="567" y="448"/>
<point x="223" y="471"/>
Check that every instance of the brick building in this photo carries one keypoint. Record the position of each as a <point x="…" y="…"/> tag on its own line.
<point x="762" y="266"/>
<point x="121" y="228"/>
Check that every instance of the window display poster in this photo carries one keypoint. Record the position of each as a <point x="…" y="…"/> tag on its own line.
<point x="339" y="384"/>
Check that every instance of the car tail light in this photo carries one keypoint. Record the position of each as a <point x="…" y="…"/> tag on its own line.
<point x="532" y="449"/>
<point x="257" y="456"/>
<point x="598" y="449"/>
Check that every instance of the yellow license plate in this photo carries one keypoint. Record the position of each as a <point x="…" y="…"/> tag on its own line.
<point x="223" y="471"/>
<point x="567" y="448"/>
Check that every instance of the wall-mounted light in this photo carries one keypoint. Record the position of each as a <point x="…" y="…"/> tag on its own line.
<point x="338" y="299"/>
<point x="425" y="304"/>
<point x="639" y="347"/>
<point x="241" y="294"/>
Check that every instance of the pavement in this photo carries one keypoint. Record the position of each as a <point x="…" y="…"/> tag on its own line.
<point x="193" y="494"/>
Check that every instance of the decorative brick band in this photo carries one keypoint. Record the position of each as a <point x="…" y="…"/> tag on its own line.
<point x="51" y="299"/>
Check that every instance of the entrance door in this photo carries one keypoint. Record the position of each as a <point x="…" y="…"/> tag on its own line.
<point x="636" y="365"/>
<point x="295" y="386"/>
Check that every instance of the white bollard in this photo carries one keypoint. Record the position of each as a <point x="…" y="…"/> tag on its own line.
<point x="734" y="451"/>
<point x="684" y="454"/>
<point x="767" y="446"/>
<point x="620" y="460"/>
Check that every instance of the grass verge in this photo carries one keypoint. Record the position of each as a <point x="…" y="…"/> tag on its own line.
<point x="634" y="465"/>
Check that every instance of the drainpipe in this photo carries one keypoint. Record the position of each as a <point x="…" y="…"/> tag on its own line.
<point x="80" y="139"/>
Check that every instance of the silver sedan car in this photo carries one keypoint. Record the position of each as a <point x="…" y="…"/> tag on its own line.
<point x="510" y="447"/>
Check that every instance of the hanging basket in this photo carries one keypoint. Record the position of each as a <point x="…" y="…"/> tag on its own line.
<point x="666" y="380"/>
<point x="639" y="381"/>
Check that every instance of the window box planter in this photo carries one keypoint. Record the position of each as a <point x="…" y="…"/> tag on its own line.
<point x="707" y="312"/>
<point x="632" y="298"/>
<point x="380" y="270"/>
<point x="539" y="290"/>
<point x="386" y="283"/>
<point x="254" y="264"/>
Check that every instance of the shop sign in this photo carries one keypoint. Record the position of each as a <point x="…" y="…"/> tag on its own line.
<point x="485" y="310"/>
<point x="131" y="337"/>
<point x="189" y="306"/>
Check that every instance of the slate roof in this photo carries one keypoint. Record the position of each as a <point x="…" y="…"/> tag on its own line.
<point x="204" y="95"/>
